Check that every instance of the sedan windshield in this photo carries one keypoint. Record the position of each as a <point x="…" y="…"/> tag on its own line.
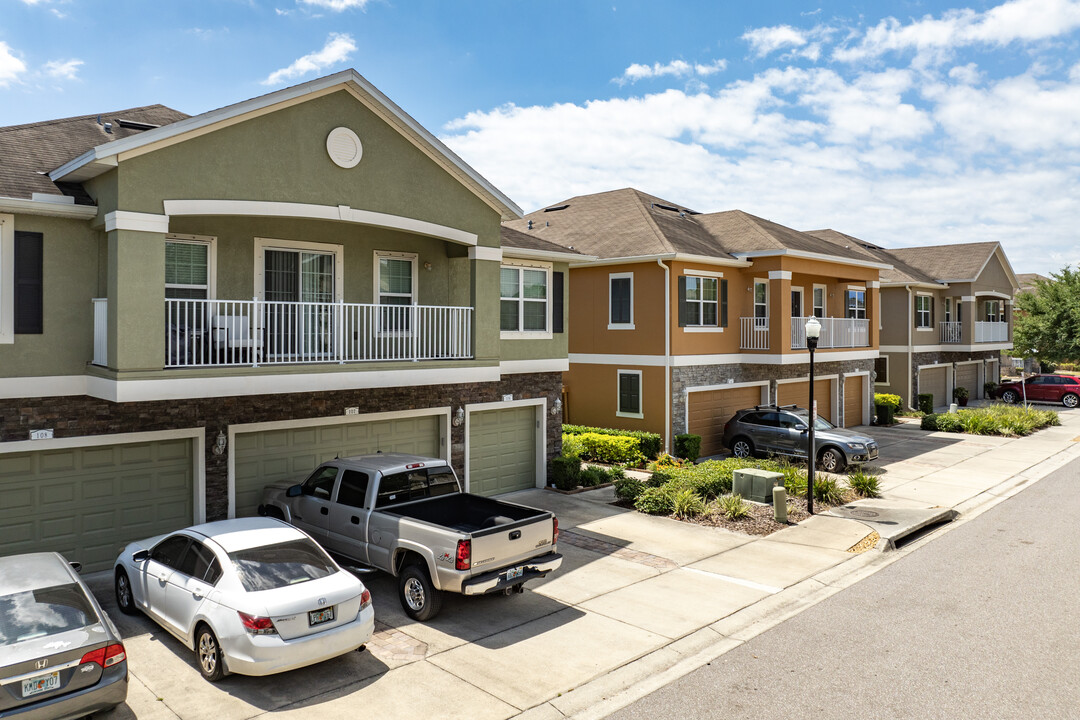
<point x="42" y="612"/>
<point x="274" y="566"/>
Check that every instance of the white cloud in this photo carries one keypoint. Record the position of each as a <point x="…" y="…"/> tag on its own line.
<point x="336" y="5"/>
<point x="11" y="67"/>
<point x="766" y="40"/>
<point x="62" y="69"/>
<point x="338" y="48"/>
<point x="675" y="68"/>
<point x="966" y="74"/>
<point x="934" y="39"/>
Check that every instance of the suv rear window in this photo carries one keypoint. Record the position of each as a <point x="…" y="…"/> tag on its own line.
<point x="273" y="566"/>
<point x="43" y="612"/>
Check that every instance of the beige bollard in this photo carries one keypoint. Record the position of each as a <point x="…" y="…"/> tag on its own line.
<point x="779" y="501"/>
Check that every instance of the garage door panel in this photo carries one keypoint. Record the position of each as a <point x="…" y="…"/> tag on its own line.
<point x="934" y="381"/>
<point x="798" y="393"/>
<point x="708" y="411"/>
<point x="18" y="500"/>
<point x="15" y="466"/>
<point x="967" y="376"/>
<point x="291" y="454"/>
<point x="12" y="534"/>
<point x="854" y="400"/>
<point x="502" y="450"/>
<point x="94" y="489"/>
<point x="63" y="461"/>
<point x="54" y="494"/>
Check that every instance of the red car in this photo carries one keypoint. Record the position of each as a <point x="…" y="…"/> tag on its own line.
<point x="1064" y="389"/>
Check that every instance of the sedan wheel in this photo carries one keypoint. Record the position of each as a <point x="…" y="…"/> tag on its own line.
<point x="208" y="653"/>
<point x="124" y="599"/>
<point x="831" y="460"/>
<point x="1009" y="396"/>
<point x="1070" y="400"/>
<point x="742" y="448"/>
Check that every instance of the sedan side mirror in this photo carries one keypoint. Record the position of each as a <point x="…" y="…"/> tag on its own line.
<point x="295" y="491"/>
<point x="141" y="556"/>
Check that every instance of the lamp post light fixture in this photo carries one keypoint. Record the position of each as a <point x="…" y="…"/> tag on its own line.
<point x="813" y="332"/>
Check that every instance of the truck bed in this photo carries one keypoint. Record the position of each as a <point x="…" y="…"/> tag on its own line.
<point x="466" y="513"/>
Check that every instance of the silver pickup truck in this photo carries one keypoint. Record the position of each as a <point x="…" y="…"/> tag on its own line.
<point x="408" y="516"/>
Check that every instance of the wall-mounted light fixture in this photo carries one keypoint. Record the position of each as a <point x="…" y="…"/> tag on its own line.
<point x="219" y="443"/>
<point x="459" y="417"/>
<point x="427" y="266"/>
<point x="556" y="407"/>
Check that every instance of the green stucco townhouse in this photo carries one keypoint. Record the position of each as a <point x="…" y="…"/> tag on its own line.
<point x="191" y="307"/>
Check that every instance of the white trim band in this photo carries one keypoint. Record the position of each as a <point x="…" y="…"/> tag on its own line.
<point x="137" y="221"/>
<point x="480" y="252"/>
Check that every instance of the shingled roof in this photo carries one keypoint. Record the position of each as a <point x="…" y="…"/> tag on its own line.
<point x="900" y="272"/>
<point x="511" y="238"/>
<point x="961" y="262"/>
<point x="28" y="152"/>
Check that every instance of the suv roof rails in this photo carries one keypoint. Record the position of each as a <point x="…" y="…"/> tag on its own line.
<point x="774" y="406"/>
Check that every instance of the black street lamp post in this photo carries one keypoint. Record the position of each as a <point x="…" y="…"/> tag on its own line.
<point x="813" y="332"/>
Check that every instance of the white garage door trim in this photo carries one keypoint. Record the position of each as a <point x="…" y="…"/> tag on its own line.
<point x="834" y="392"/>
<point x="234" y="430"/>
<point x="975" y="392"/>
<point x="198" y="453"/>
<point x="541" y="435"/>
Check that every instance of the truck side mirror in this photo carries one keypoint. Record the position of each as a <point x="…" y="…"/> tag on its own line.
<point x="295" y="491"/>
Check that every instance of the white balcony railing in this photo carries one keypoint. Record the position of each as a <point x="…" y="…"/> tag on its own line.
<point x="101" y="328"/>
<point x="835" y="333"/>
<point x="991" y="332"/>
<point x="259" y="332"/>
<point x="951" y="332"/>
<point x="754" y="333"/>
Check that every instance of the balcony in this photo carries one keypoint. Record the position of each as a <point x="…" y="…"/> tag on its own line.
<point x="222" y="333"/>
<point x="754" y="333"/>
<point x="991" y="332"/>
<point x="951" y="332"/>
<point x="835" y="333"/>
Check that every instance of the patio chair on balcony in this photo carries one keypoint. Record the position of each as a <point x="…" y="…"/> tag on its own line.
<point x="233" y="339"/>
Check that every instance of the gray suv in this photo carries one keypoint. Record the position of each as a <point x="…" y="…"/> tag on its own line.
<point x="784" y="430"/>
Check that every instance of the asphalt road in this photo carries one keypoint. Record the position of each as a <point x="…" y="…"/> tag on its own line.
<point x="982" y="622"/>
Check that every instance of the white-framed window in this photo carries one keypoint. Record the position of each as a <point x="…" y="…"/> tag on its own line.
<point x="621" y="301"/>
<point x="396" y="278"/>
<point x="629" y="394"/>
<point x="702" y="301"/>
<point x="948" y="309"/>
<point x="761" y="303"/>
<point x="881" y="369"/>
<point x="7" y="278"/>
<point x="924" y="311"/>
<point x="190" y="265"/>
<point x="855" y="303"/>
<point x="797" y="302"/>
<point x="994" y="311"/>
<point x="819" y="300"/>
<point x="524" y="300"/>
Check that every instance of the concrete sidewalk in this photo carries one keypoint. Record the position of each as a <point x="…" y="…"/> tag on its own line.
<point x="639" y="601"/>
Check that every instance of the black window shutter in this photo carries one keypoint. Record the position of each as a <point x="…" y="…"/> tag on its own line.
<point x="28" y="283"/>
<point x="723" y="303"/>
<point x="557" y="302"/>
<point x="682" y="301"/>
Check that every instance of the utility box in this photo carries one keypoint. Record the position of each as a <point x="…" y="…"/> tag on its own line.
<point x="756" y="485"/>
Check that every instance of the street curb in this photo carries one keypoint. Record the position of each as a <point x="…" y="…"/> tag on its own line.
<point x="623" y="686"/>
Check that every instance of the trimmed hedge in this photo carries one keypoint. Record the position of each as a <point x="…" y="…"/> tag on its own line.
<point x="887" y="399"/>
<point x="998" y="419"/>
<point x="565" y="471"/>
<point x="688" y="446"/>
<point x="612" y="449"/>
<point x="926" y="402"/>
<point x="650" y="444"/>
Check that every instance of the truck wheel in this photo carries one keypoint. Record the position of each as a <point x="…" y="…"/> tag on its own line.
<point x="419" y="598"/>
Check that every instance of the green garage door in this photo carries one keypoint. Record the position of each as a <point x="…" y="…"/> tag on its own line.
<point x="502" y="450"/>
<point x="87" y="503"/>
<point x="290" y="454"/>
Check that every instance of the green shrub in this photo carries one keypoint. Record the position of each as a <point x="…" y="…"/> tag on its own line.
<point x="887" y="399"/>
<point x="666" y="462"/>
<point x="618" y="472"/>
<point x="688" y="446"/>
<point x="571" y="446"/>
<point x="592" y="476"/>
<point x="610" y="448"/>
<point x="733" y="507"/>
<point x="926" y="402"/>
<point x="996" y="419"/>
<point x="658" y="478"/>
<point x="960" y="393"/>
<point x="929" y="422"/>
<point x="950" y="422"/>
<point x="828" y="490"/>
<point x="989" y="388"/>
<point x="864" y="482"/>
<point x="688" y="504"/>
<point x="648" y="443"/>
<point x="655" y="501"/>
<point x="628" y="489"/>
<point x="564" y="472"/>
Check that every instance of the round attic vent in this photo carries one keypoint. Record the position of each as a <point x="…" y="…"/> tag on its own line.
<point x="343" y="147"/>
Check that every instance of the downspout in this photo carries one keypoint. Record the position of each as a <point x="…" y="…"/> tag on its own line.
<point x="910" y="347"/>
<point x="667" y="355"/>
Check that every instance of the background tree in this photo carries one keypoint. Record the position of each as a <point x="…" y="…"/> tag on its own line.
<point x="1048" y="318"/>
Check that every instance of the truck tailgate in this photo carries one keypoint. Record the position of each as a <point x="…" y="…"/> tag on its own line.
<point x="511" y="544"/>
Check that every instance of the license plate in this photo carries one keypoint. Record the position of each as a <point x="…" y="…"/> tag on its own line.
<point x="40" y="684"/>
<point x="514" y="573"/>
<point x="318" y="617"/>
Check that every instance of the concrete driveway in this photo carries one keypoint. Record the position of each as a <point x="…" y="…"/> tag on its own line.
<point x="638" y="599"/>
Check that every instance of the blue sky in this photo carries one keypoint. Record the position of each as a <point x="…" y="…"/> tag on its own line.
<point x="903" y="123"/>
